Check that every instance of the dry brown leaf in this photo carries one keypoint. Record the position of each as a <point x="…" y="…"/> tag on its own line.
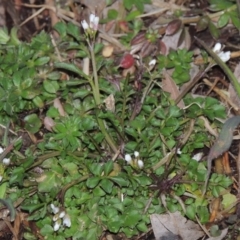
<point x="107" y="51"/>
<point x="58" y="105"/>
<point x="174" y="226"/>
<point x="233" y="95"/>
<point x="181" y="39"/>
<point x="48" y="123"/>
<point x="110" y="103"/>
<point x="168" y="85"/>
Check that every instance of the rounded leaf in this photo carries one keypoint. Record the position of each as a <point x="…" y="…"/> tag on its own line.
<point x="92" y="182"/>
<point x="32" y="123"/>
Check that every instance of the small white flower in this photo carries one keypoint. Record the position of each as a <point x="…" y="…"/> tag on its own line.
<point x="62" y="214"/>
<point x="198" y="156"/>
<point x="54" y="209"/>
<point x="225" y="56"/>
<point x="1" y="177"/>
<point x="152" y="63"/>
<point x="66" y="220"/>
<point x="6" y="161"/>
<point x="57" y="225"/>
<point x="140" y="163"/>
<point x="94" y="20"/>
<point x="136" y="154"/>
<point x="85" y="25"/>
<point x="217" y="47"/>
<point x="179" y="151"/>
<point x="1" y="150"/>
<point x="128" y="158"/>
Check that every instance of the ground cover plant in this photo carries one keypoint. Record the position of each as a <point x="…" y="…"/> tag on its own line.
<point x="110" y="125"/>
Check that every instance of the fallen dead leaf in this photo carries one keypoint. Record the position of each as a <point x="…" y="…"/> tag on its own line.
<point x="168" y="85"/>
<point x="174" y="226"/>
<point x="110" y="103"/>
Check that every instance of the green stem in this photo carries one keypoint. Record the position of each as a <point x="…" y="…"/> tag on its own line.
<point x="96" y="94"/>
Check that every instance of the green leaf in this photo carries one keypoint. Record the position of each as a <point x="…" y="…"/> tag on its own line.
<point x="203" y="214"/>
<point x="191" y="212"/>
<point x="14" y="36"/>
<point x="107" y="185"/>
<point x="32" y="207"/>
<point x="8" y="203"/>
<point x="95" y="168"/>
<point x="128" y="4"/>
<point x="54" y="75"/>
<point x="98" y="192"/>
<point x="142" y="227"/>
<point x="132" y="15"/>
<point x="213" y="30"/>
<point x="50" y="86"/>
<point x="17" y="176"/>
<point x="71" y="67"/>
<point x="26" y="83"/>
<point x="122" y="182"/>
<point x="32" y="123"/>
<point x="143" y="180"/>
<point x="4" y="37"/>
<point x="81" y="93"/>
<point x="61" y="28"/>
<point x="47" y="230"/>
<point x="112" y="14"/>
<point x="114" y="226"/>
<point x="92" y="182"/>
<point x="38" y="102"/>
<point x="73" y="30"/>
<point x="223" y="20"/>
<point x="41" y="61"/>
<point x="132" y="218"/>
<point x="108" y="167"/>
<point x="50" y="182"/>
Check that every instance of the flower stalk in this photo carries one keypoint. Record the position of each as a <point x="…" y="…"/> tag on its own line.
<point x="90" y="31"/>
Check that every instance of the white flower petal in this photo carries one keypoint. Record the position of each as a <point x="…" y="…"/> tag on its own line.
<point x="179" y="151"/>
<point x="152" y="62"/>
<point x="57" y="225"/>
<point x="66" y="220"/>
<point x="217" y="47"/>
<point x="54" y="209"/>
<point x="6" y="161"/>
<point x="85" y="25"/>
<point x="128" y="158"/>
<point x="225" y="56"/>
<point x="1" y="177"/>
<point x="198" y="156"/>
<point x="91" y="17"/>
<point x="140" y="163"/>
<point x="136" y="154"/>
<point x="95" y="23"/>
<point x="1" y="150"/>
<point x="62" y="214"/>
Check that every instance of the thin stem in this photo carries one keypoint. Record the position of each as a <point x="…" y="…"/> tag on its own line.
<point x="96" y="94"/>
